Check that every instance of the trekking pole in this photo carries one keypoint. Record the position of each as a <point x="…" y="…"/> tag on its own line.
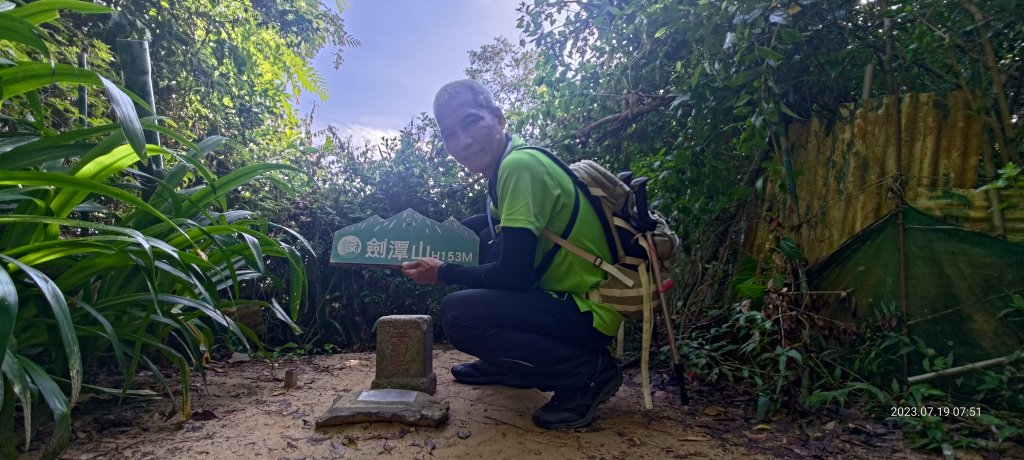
<point x="646" y="224"/>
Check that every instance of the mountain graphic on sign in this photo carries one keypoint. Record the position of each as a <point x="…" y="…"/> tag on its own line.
<point x="458" y="227"/>
<point x="410" y="219"/>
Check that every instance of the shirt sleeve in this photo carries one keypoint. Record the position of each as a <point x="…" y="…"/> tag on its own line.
<point x="512" y="271"/>
<point x="527" y="192"/>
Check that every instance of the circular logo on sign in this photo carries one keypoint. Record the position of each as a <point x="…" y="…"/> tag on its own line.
<point x="349" y="246"/>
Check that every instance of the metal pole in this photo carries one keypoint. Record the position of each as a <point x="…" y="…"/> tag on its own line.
<point x="898" y="181"/>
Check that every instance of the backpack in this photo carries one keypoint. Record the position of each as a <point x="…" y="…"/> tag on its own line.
<point x="642" y="244"/>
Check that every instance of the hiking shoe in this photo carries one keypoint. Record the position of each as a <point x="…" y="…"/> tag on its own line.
<point x="483" y="373"/>
<point x="576" y="408"/>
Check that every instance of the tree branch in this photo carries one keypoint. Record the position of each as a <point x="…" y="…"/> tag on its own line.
<point x="623" y="117"/>
<point x="993" y="68"/>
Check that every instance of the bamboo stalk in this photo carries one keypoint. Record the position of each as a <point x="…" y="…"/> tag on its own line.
<point x="963" y="369"/>
<point x="869" y="76"/>
<point x="993" y="194"/>
<point x="133" y="56"/>
<point x="138" y="78"/>
<point x="83" y="122"/>
<point x="83" y="92"/>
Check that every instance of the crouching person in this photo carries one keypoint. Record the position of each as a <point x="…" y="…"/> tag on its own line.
<point x="525" y="315"/>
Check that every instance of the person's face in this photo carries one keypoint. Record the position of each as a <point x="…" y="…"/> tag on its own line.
<point x="473" y="135"/>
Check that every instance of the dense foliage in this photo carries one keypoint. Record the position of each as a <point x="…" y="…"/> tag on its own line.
<point x="233" y="69"/>
<point x="700" y="93"/>
<point x="93" y="275"/>
<point x="694" y="93"/>
<point x="351" y="183"/>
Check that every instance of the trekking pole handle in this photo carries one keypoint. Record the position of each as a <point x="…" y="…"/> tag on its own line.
<point x="644" y="222"/>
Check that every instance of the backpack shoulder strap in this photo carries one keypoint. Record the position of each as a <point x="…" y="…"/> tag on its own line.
<point x="549" y="257"/>
<point x="563" y="240"/>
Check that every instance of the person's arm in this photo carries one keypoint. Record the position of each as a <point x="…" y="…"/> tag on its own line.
<point x="512" y="271"/>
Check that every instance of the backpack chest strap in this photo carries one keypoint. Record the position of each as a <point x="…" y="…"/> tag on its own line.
<point x="599" y="262"/>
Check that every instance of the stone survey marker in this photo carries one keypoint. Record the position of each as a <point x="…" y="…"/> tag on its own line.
<point x="404" y="353"/>
<point x="405" y="376"/>
<point x="403" y="237"/>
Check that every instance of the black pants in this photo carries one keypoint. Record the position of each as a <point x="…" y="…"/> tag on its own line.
<point x="543" y="340"/>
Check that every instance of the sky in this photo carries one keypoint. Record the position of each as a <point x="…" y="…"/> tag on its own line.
<point x="409" y="49"/>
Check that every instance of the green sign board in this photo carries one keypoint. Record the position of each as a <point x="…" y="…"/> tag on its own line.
<point x="403" y="237"/>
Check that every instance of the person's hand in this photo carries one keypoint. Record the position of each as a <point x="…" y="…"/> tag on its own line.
<point x="422" y="271"/>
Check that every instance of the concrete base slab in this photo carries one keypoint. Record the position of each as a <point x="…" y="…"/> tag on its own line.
<point x="387" y="405"/>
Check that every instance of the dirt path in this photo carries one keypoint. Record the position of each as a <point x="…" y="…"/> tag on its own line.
<point x="245" y="413"/>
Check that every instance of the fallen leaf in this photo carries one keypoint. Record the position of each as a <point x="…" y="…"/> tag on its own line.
<point x="830" y="425"/>
<point x="801" y="451"/>
<point x="757" y="436"/>
<point x="177" y="422"/>
<point x="463" y="434"/>
<point x="401" y="434"/>
<point x="201" y="415"/>
<point x="283" y="405"/>
<point x="239" y="358"/>
<point x="989" y="455"/>
<point x="713" y="411"/>
<point x="338" y="449"/>
<point x="350" y="442"/>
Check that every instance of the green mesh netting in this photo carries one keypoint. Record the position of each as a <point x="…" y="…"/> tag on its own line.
<point x="958" y="281"/>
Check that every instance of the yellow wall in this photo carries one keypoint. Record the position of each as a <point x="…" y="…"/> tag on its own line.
<point x="845" y="173"/>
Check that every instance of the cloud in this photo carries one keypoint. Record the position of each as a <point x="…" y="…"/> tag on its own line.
<point x="384" y="82"/>
<point x="360" y="134"/>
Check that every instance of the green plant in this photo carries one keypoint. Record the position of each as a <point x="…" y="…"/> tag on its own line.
<point x="1010" y="176"/>
<point x="138" y="279"/>
<point x="351" y="183"/>
<point x="747" y="347"/>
